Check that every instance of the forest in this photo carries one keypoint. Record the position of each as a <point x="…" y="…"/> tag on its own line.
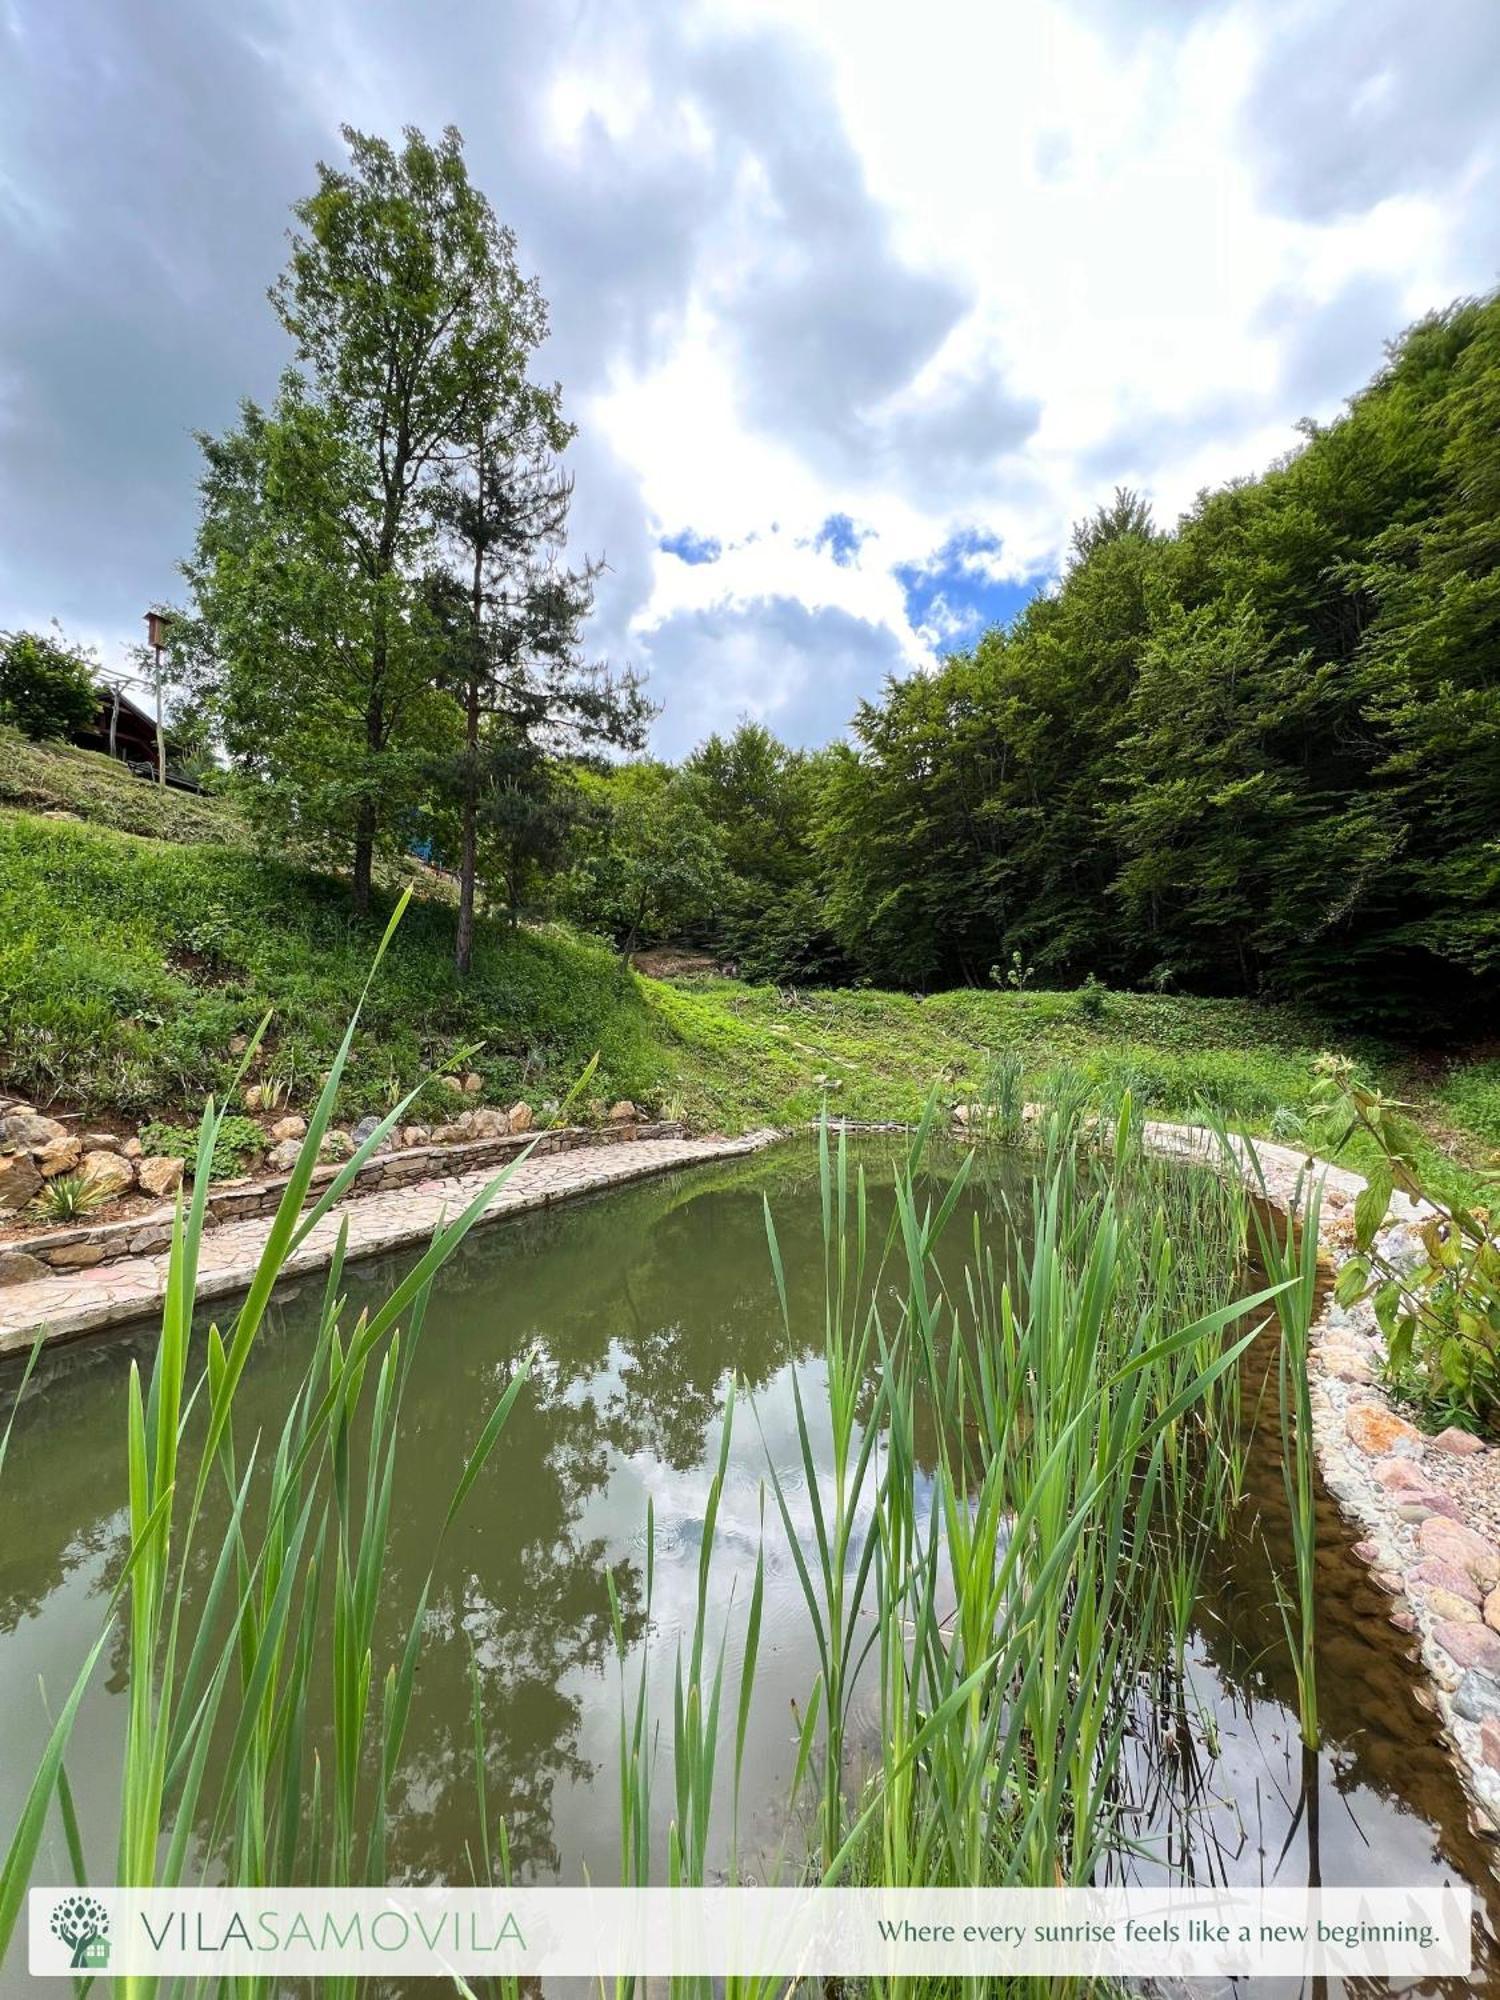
<point x="1256" y="754"/>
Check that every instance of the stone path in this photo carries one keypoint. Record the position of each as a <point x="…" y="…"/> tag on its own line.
<point x="62" y="1307"/>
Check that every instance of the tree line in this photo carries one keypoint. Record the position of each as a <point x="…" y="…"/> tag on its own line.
<point x="1257" y="754"/>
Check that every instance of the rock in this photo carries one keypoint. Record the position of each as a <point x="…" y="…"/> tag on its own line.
<point x="1459" y="1443"/>
<point x="453" y="1084"/>
<point x="1403" y="1248"/>
<point x="1471" y="1645"/>
<point x="1377" y="1430"/>
<point x="1436" y="1574"/>
<point x="490" y="1125"/>
<point x="76" y="1256"/>
<point x="1366" y="1552"/>
<point x="102" y="1142"/>
<point x="1345" y="1364"/>
<point x="29" y="1132"/>
<point x="238" y="1044"/>
<point x="448" y="1135"/>
<point x="337" y="1145"/>
<point x="59" y="1159"/>
<point x="252" y="1097"/>
<point x="1441" y="1503"/>
<point x="1462" y="1547"/>
<point x="1492" y="1610"/>
<point x="417" y="1135"/>
<point x="465" y="1122"/>
<point x="160" y="1177"/>
<point x="149" y="1241"/>
<point x="283" y="1156"/>
<point x="109" y="1172"/>
<point x="1402" y="1619"/>
<point x="365" y="1129"/>
<point x="1477" y="1698"/>
<point x="17" y="1268"/>
<point x="19" y="1181"/>
<point x="1399" y="1474"/>
<point x="473" y="1083"/>
<point x="290" y="1127"/>
<point x="132" y="1149"/>
<point x="1447" y="1604"/>
<point x="624" y="1113"/>
<point x="520" y="1116"/>
<point x="1412" y="1511"/>
<point x="1489" y="1742"/>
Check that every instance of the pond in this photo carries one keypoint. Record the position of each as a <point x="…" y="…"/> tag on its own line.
<point x="641" y="1305"/>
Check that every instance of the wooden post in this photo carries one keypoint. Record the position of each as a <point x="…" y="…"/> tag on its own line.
<point x="114" y="716"/>
<point x="161" y="745"/>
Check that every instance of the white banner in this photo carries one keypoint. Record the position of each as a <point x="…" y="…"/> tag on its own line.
<point x="779" y="1933"/>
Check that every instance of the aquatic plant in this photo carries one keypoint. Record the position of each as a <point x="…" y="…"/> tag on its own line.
<point x="255" y="1660"/>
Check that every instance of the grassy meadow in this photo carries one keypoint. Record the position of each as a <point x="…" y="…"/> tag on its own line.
<point x="140" y="936"/>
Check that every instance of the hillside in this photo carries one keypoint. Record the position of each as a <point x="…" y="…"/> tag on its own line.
<point x="129" y="965"/>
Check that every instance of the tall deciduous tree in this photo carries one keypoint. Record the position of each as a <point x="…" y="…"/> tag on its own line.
<point x="407" y="309"/>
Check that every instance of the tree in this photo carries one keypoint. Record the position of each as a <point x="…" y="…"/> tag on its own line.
<point x="402" y="296"/>
<point x="650" y="864"/>
<point x="46" y="686"/>
<point x="321" y="672"/>
<point x="513" y="613"/>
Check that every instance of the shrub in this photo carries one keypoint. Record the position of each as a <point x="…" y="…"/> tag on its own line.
<point x="1440" y="1309"/>
<point x="46" y="689"/>
<point x="238" y="1141"/>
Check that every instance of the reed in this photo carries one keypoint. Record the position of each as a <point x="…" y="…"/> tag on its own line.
<point x="221" y="1771"/>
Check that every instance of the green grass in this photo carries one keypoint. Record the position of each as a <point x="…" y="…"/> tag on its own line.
<point x="56" y="778"/>
<point x="129" y="966"/>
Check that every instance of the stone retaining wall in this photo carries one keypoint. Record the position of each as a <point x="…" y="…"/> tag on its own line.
<point x="85" y="1245"/>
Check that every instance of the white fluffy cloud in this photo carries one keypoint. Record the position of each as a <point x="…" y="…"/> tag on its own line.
<point x="863" y="312"/>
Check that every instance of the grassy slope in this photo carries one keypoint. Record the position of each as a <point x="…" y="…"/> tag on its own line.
<point x="127" y="964"/>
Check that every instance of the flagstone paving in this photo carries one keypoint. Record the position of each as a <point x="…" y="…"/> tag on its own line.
<point x="67" y="1304"/>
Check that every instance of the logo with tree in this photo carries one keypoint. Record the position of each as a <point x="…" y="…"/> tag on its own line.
<point x="82" y="1922"/>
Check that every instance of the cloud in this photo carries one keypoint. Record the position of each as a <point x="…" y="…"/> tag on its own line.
<point x="772" y="659"/>
<point x="847" y="354"/>
<point x="1355" y="105"/>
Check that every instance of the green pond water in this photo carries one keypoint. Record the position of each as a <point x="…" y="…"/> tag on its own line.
<point x="641" y="1304"/>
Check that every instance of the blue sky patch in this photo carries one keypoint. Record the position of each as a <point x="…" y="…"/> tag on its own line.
<point x="689" y="547"/>
<point x="952" y="596"/>
<point x="841" y="538"/>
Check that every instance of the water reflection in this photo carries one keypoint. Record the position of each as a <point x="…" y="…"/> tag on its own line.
<point x="641" y="1305"/>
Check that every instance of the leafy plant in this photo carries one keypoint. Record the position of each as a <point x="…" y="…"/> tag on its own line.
<point x="237" y="1143"/>
<point x="1437" y="1299"/>
<point x="46" y="687"/>
<point x="70" y="1196"/>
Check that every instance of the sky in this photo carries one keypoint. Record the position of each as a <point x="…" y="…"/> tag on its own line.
<point x="857" y="306"/>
